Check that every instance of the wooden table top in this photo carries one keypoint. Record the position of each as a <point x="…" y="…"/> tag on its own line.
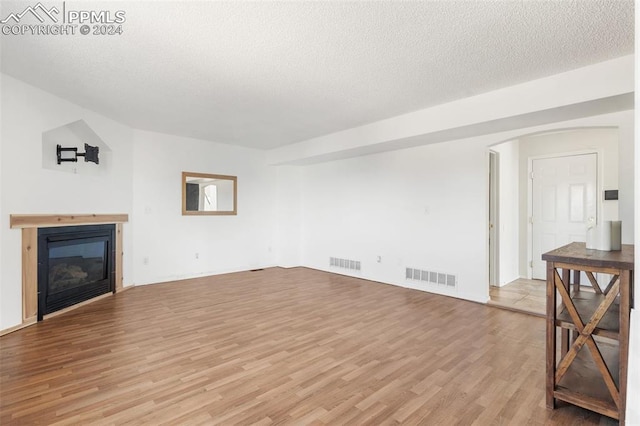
<point x="577" y="253"/>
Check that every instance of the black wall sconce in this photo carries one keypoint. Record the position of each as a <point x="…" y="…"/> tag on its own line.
<point x="72" y="154"/>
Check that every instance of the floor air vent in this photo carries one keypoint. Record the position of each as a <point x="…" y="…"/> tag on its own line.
<point x="353" y="265"/>
<point x="432" y="277"/>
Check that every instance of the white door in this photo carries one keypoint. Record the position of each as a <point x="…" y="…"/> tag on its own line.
<point x="563" y="200"/>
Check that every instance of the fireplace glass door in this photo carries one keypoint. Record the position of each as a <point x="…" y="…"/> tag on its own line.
<point x="73" y="264"/>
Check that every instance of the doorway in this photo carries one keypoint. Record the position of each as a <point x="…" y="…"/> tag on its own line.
<point x="562" y="199"/>
<point x="588" y="160"/>
<point x="494" y="251"/>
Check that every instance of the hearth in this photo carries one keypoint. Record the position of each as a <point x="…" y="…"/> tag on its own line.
<point x="75" y="263"/>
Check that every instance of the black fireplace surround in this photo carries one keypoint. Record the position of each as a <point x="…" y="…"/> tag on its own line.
<point x="75" y="263"/>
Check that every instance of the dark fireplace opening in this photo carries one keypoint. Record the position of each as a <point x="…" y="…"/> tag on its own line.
<point x="75" y="263"/>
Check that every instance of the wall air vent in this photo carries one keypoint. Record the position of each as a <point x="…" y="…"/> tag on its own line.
<point x="351" y="265"/>
<point x="432" y="277"/>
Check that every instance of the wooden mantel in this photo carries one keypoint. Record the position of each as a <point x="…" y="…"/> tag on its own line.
<point x="49" y="220"/>
<point x="29" y="223"/>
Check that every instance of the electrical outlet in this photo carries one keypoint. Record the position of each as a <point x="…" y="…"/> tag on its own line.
<point x="145" y="261"/>
<point x="379" y="259"/>
<point x="197" y="255"/>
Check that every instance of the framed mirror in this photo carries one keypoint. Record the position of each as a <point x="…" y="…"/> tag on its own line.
<point x="207" y="194"/>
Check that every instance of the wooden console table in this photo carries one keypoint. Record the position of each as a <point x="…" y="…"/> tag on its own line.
<point x="592" y="369"/>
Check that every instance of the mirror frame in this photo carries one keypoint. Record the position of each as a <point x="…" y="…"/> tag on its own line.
<point x="186" y="212"/>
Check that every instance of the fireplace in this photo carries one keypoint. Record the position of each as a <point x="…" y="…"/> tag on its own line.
<point x="75" y="263"/>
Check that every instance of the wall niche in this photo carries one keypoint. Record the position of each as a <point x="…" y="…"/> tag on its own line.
<point x="75" y="135"/>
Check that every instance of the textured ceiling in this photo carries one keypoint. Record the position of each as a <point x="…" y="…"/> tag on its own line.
<point x="267" y="74"/>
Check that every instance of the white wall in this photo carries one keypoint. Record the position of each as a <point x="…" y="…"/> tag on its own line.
<point x="421" y="208"/>
<point x="633" y="384"/>
<point x="509" y="235"/>
<point x="2" y="223"/>
<point x="27" y="188"/>
<point x="288" y="225"/>
<point x="169" y="241"/>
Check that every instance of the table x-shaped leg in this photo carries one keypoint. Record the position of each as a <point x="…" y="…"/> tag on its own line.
<point x="594" y="282"/>
<point x="611" y="283"/>
<point x="586" y="336"/>
<point x="596" y="286"/>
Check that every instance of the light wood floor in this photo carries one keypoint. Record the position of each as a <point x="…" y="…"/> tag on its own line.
<point x="521" y="295"/>
<point x="279" y="346"/>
